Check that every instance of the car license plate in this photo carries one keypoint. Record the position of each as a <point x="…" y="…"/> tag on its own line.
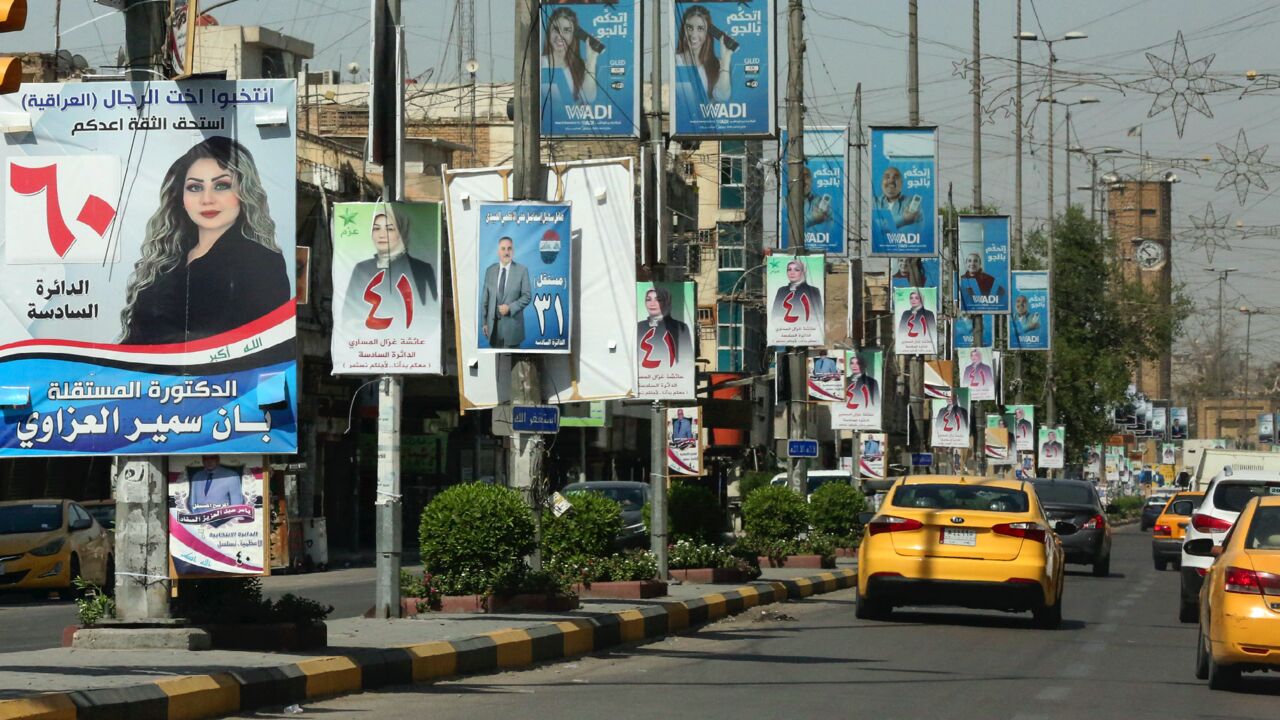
<point x="959" y="536"/>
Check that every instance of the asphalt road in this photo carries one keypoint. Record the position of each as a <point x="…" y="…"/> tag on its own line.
<point x="1120" y="653"/>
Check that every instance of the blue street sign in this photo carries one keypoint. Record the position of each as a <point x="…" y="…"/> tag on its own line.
<point x="921" y="459"/>
<point x="535" y="419"/>
<point x="802" y="448"/>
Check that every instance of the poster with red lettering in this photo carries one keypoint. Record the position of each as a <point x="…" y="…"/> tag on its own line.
<point x="794" y="287"/>
<point x="666" y="352"/>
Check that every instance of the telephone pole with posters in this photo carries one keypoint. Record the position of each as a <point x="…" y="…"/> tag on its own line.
<point x="797" y="408"/>
<point x="658" y="411"/>
<point x="915" y="269"/>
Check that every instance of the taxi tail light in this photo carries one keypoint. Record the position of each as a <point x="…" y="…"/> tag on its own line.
<point x="892" y="523"/>
<point x="1251" y="582"/>
<point x="1209" y="523"/>
<point x="1098" y="522"/>
<point x="1162" y="530"/>
<point x="1024" y="530"/>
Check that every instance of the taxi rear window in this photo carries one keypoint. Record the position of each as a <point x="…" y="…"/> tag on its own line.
<point x="960" y="497"/>
<point x="1264" y="531"/>
<point x="1233" y="495"/>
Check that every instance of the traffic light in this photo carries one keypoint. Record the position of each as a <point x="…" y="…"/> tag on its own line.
<point x="13" y="17"/>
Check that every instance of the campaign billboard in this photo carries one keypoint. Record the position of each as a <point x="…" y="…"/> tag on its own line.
<point x="1031" y="319"/>
<point x="825" y="180"/>
<point x="950" y="426"/>
<point x="386" y="270"/>
<point x="1168" y="453"/>
<point x="1178" y="423"/>
<point x="871" y="455"/>
<point x="1021" y="421"/>
<point x="148" y="257"/>
<point x="984" y="264"/>
<point x="524" y="300"/>
<point x="666" y="327"/>
<point x="937" y="378"/>
<point x="977" y="372"/>
<point x="931" y="268"/>
<point x="590" y="68"/>
<point x="825" y="378"/>
<point x="904" y="191"/>
<point x="917" y="329"/>
<point x="1051" y="454"/>
<point x="1158" y="421"/>
<point x="722" y="57"/>
<point x="1266" y="428"/>
<point x="962" y="332"/>
<point x="217" y="523"/>
<point x="862" y="399"/>
<point x="795" y="283"/>
<point x="684" y="441"/>
<point x="996" y="445"/>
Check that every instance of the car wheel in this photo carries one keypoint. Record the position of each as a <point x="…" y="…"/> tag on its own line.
<point x="1222" y="677"/>
<point x="1048" y="617"/>
<point x="70" y="592"/>
<point x="1161" y="565"/>
<point x="1188" y="612"/>
<point x="867" y="609"/>
<point x="1202" y="658"/>
<point x="1102" y="568"/>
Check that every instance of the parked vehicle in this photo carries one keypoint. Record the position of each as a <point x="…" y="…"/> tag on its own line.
<point x="631" y="496"/>
<point x="46" y="544"/>
<point x="1171" y="528"/>
<point x="1152" y="509"/>
<point x="1077" y="502"/>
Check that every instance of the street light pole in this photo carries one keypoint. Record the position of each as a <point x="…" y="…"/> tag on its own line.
<point x="1248" y="334"/>
<point x="1222" y="282"/>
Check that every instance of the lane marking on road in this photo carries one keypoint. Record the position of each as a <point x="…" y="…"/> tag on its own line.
<point x="1054" y="692"/>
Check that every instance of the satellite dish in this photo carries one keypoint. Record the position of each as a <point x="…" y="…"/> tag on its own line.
<point x="353" y="69"/>
<point x="64" y="61"/>
<point x="472" y="66"/>
<point x="79" y="63"/>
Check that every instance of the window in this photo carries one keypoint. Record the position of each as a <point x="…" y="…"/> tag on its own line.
<point x="730" y="247"/>
<point x="733" y="164"/>
<point x="729" y="340"/>
<point x="706" y="315"/>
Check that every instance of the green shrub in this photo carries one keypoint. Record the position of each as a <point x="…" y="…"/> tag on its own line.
<point x="775" y="513"/>
<point x="695" y="513"/>
<point x="1127" y="506"/>
<point x="588" y="528"/>
<point x="93" y="605"/>
<point x="685" y="554"/>
<point x="619" y="567"/>
<point x="239" y="600"/>
<point x="753" y="480"/>
<point x="474" y="538"/>
<point x="835" y="509"/>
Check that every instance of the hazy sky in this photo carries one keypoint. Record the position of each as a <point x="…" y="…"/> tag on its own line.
<point x="853" y="41"/>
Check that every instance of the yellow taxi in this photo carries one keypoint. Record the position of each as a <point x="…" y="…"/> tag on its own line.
<point x="46" y="544"/>
<point x="1171" y="527"/>
<point x="1240" y="597"/>
<point x="966" y="541"/>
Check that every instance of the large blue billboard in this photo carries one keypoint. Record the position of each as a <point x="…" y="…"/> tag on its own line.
<point x="962" y="332"/>
<point x="932" y="267"/>
<point x="984" y="264"/>
<point x="904" y="192"/>
<point x="590" y="60"/>
<point x="722" y="57"/>
<point x="825" y="190"/>
<point x="1031" y="319"/>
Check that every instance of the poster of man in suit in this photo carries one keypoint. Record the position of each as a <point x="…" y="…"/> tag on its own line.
<point x="684" y="441"/>
<point x="871" y="455"/>
<point x="217" y="526"/>
<point x="1021" y="421"/>
<point x="826" y="378"/>
<point x="665" y="354"/>
<point x="526" y="289"/>
<point x="1051" y="447"/>
<point x="951" y="420"/>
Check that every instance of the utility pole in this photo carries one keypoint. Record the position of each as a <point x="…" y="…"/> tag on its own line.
<point x="1248" y="335"/>
<point x="1050" y="407"/>
<point x="1066" y="154"/>
<point x="658" y="415"/>
<point x="1222" y="283"/>
<point x="388" y="78"/>
<point x="976" y="69"/>
<point x="1017" y="190"/>
<point x="915" y="373"/>
<point x="142" y="504"/>
<point x="525" y="460"/>
<point x="859" y="143"/>
<point x="797" y="408"/>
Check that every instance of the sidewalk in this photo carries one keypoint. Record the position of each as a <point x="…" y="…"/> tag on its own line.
<point x="366" y="653"/>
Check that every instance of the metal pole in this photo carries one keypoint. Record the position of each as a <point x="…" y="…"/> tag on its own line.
<point x="1017" y="189"/>
<point x="797" y="408"/>
<point x="1066" y="151"/>
<point x="857" y="178"/>
<point x="1051" y="409"/>
<point x="658" y="415"/>
<point x="977" y="110"/>
<point x="913" y="64"/>
<point x="1248" y="334"/>
<point x="915" y="385"/>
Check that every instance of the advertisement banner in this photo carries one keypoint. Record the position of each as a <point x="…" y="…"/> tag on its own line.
<point x="1029" y="323"/>
<point x="997" y="446"/>
<point x="684" y="441"/>
<point x="917" y="313"/>
<point x="1158" y="421"/>
<point x="931" y="267"/>
<point x="826" y="378"/>
<point x="1052" y="453"/>
<point x="977" y="372"/>
<point x="904" y="191"/>
<point x="825" y="190"/>
<point x="1178" y="423"/>
<point x="1093" y="461"/>
<point x="951" y="421"/>
<point x="1266" y="428"/>
<point x="937" y="378"/>
<point x="796" y="282"/>
<point x="590" y="62"/>
<point x="984" y="264"/>
<point x="871" y="455"/>
<point x="1021" y="421"/>
<point x="666" y="322"/>
<point x="524" y="300"/>
<point x="386" y="260"/>
<point x="1168" y="453"/>
<point x="722" y="55"/>
<point x="1026" y="468"/>
<point x="217" y="526"/>
<point x="962" y="332"/>
<point x="164" y="324"/>
<point x="861" y="409"/>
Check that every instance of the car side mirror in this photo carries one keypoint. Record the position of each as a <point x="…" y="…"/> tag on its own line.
<point x="84" y="524"/>
<point x="864" y="518"/>
<point x="1062" y="527"/>
<point x="1111" y="509"/>
<point x="1201" y="547"/>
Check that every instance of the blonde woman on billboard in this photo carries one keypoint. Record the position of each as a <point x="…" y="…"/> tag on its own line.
<point x="209" y="261"/>
<point x="694" y="50"/>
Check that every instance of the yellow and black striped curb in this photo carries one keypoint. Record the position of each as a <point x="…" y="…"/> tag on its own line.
<point x="219" y="694"/>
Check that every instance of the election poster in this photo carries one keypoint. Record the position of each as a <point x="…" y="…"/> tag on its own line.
<point x="1026" y="467"/>
<point x="977" y="373"/>
<point x="1168" y="453"/>
<point x="931" y="272"/>
<point x="826" y="378"/>
<point x="871" y="455"/>
<point x="217" y="523"/>
<point x="795" y="282"/>
<point x="1178" y="423"/>
<point x="825" y="190"/>
<point x="164" y="324"/>
<point x="937" y="378"/>
<point x="1030" y="321"/>
<point x="684" y="441"/>
<point x="722" y="56"/>
<point x="904" y="191"/>
<point x="590" y="68"/>
<point x="1266" y="428"/>
<point x="996" y="445"/>
<point x="524" y="298"/>
<point x="917" y="312"/>
<point x="1158" y="421"/>
<point x="386" y="289"/>
<point x="861" y="406"/>
<point x="951" y="421"/>
<point x="1021" y="421"/>
<point x="666" y="323"/>
<point x="962" y="332"/>
<point x="1052" y="452"/>
<point x="984" y="264"/>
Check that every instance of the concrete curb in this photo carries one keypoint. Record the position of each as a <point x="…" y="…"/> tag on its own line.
<point x="216" y="695"/>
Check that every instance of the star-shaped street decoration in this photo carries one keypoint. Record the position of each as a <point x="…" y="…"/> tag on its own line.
<point x="1179" y="84"/>
<point x="1211" y="232"/>
<point x="1244" y="167"/>
<point x="348" y="217"/>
